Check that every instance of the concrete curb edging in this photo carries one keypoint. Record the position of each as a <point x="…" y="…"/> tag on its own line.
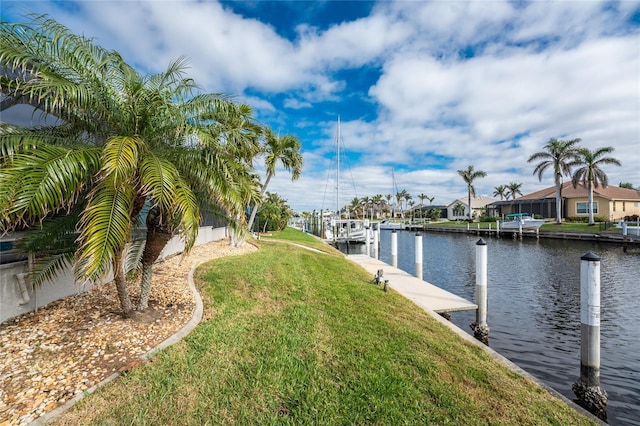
<point x="175" y="338"/>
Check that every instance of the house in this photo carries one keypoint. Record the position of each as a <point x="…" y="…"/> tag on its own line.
<point x="459" y="209"/>
<point x="613" y="203"/>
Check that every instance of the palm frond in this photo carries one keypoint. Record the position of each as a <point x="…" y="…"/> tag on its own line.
<point x="46" y="268"/>
<point x="105" y="227"/>
<point x="43" y="181"/>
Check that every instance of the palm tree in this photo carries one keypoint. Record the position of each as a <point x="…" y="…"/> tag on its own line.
<point x="469" y="175"/>
<point x="284" y="150"/>
<point x="500" y="191"/>
<point x="399" y="198"/>
<point x="123" y="145"/>
<point x="431" y="200"/>
<point x="407" y="198"/>
<point x="378" y="201"/>
<point x="422" y="197"/>
<point x="366" y="204"/>
<point x="354" y="206"/>
<point x="561" y="156"/>
<point x="388" y="197"/>
<point x="589" y="172"/>
<point x="513" y="189"/>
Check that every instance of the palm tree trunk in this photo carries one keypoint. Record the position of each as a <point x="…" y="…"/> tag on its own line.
<point x="121" y="286"/>
<point x="591" y="221"/>
<point x="558" y="201"/>
<point x="156" y="241"/>
<point x="256" y="206"/>
<point x="469" y="201"/>
<point x="157" y="237"/>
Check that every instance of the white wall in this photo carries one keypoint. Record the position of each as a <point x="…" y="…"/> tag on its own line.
<point x="14" y="302"/>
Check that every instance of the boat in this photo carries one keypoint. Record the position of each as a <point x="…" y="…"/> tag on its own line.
<point x="347" y="230"/>
<point x="518" y="221"/>
<point x="387" y="224"/>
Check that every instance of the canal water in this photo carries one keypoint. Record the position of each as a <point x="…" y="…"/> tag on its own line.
<point x="534" y="305"/>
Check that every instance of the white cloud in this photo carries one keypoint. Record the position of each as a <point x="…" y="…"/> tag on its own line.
<point x="531" y="71"/>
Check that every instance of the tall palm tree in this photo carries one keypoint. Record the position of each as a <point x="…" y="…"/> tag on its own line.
<point x="354" y="206"/>
<point x="407" y="198"/>
<point x="590" y="173"/>
<point x="410" y="205"/>
<point x="500" y="191"/>
<point x="118" y="149"/>
<point x="378" y="201"/>
<point x="283" y="150"/>
<point x="400" y="196"/>
<point x="366" y="205"/>
<point x="431" y="200"/>
<point x="422" y="197"/>
<point x="560" y="155"/>
<point x="513" y="189"/>
<point x="388" y="197"/>
<point x="469" y="175"/>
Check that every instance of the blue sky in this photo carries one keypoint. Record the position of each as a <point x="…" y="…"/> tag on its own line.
<point x="422" y="88"/>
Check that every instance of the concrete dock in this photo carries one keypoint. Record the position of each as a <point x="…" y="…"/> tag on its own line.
<point x="422" y="293"/>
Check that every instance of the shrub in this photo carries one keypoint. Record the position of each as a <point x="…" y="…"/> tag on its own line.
<point x="585" y="219"/>
<point x="489" y="219"/>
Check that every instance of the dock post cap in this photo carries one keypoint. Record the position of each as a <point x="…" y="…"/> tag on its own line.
<point x="394" y="232"/>
<point x="481" y="242"/>
<point x="591" y="257"/>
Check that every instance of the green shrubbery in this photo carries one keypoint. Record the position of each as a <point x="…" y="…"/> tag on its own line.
<point x="580" y="219"/>
<point x="489" y="219"/>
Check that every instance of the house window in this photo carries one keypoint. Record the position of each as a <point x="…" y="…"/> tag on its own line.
<point x="623" y="207"/>
<point x="583" y="208"/>
<point x="614" y="206"/>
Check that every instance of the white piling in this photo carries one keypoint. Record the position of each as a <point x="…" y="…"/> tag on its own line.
<point x="418" y="251"/>
<point x="480" y="327"/>
<point x="587" y="388"/>
<point x="376" y="242"/>
<point x="367" y="242"/>
<point x="394" y="248"/>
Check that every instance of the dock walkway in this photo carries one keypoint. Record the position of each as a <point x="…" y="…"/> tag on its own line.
<point x="422" y="293"/>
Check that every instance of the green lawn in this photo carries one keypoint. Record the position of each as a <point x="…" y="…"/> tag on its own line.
<point x="292" y="336"/>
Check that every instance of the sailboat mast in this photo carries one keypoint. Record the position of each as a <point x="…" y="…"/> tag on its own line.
<point x="338" y="170"/>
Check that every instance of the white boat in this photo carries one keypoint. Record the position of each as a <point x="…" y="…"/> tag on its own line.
<point x="348" y="231"/>
<point x="386" y="224"/>
<point x="524" y="221"/>
<point x="341" y="230"/>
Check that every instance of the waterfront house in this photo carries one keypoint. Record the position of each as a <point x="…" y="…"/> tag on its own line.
<point x="613" y="203"/>
<point x="478" y="205"/>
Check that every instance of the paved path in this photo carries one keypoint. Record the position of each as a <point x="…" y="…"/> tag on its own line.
<point x="423" y="294"/>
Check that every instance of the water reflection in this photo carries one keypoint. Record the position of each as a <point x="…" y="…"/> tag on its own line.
<point x="534" y="306"/>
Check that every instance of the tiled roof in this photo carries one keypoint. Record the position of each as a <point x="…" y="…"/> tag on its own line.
<point x="477" y="202"/>
<point x="611" y="192"/>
